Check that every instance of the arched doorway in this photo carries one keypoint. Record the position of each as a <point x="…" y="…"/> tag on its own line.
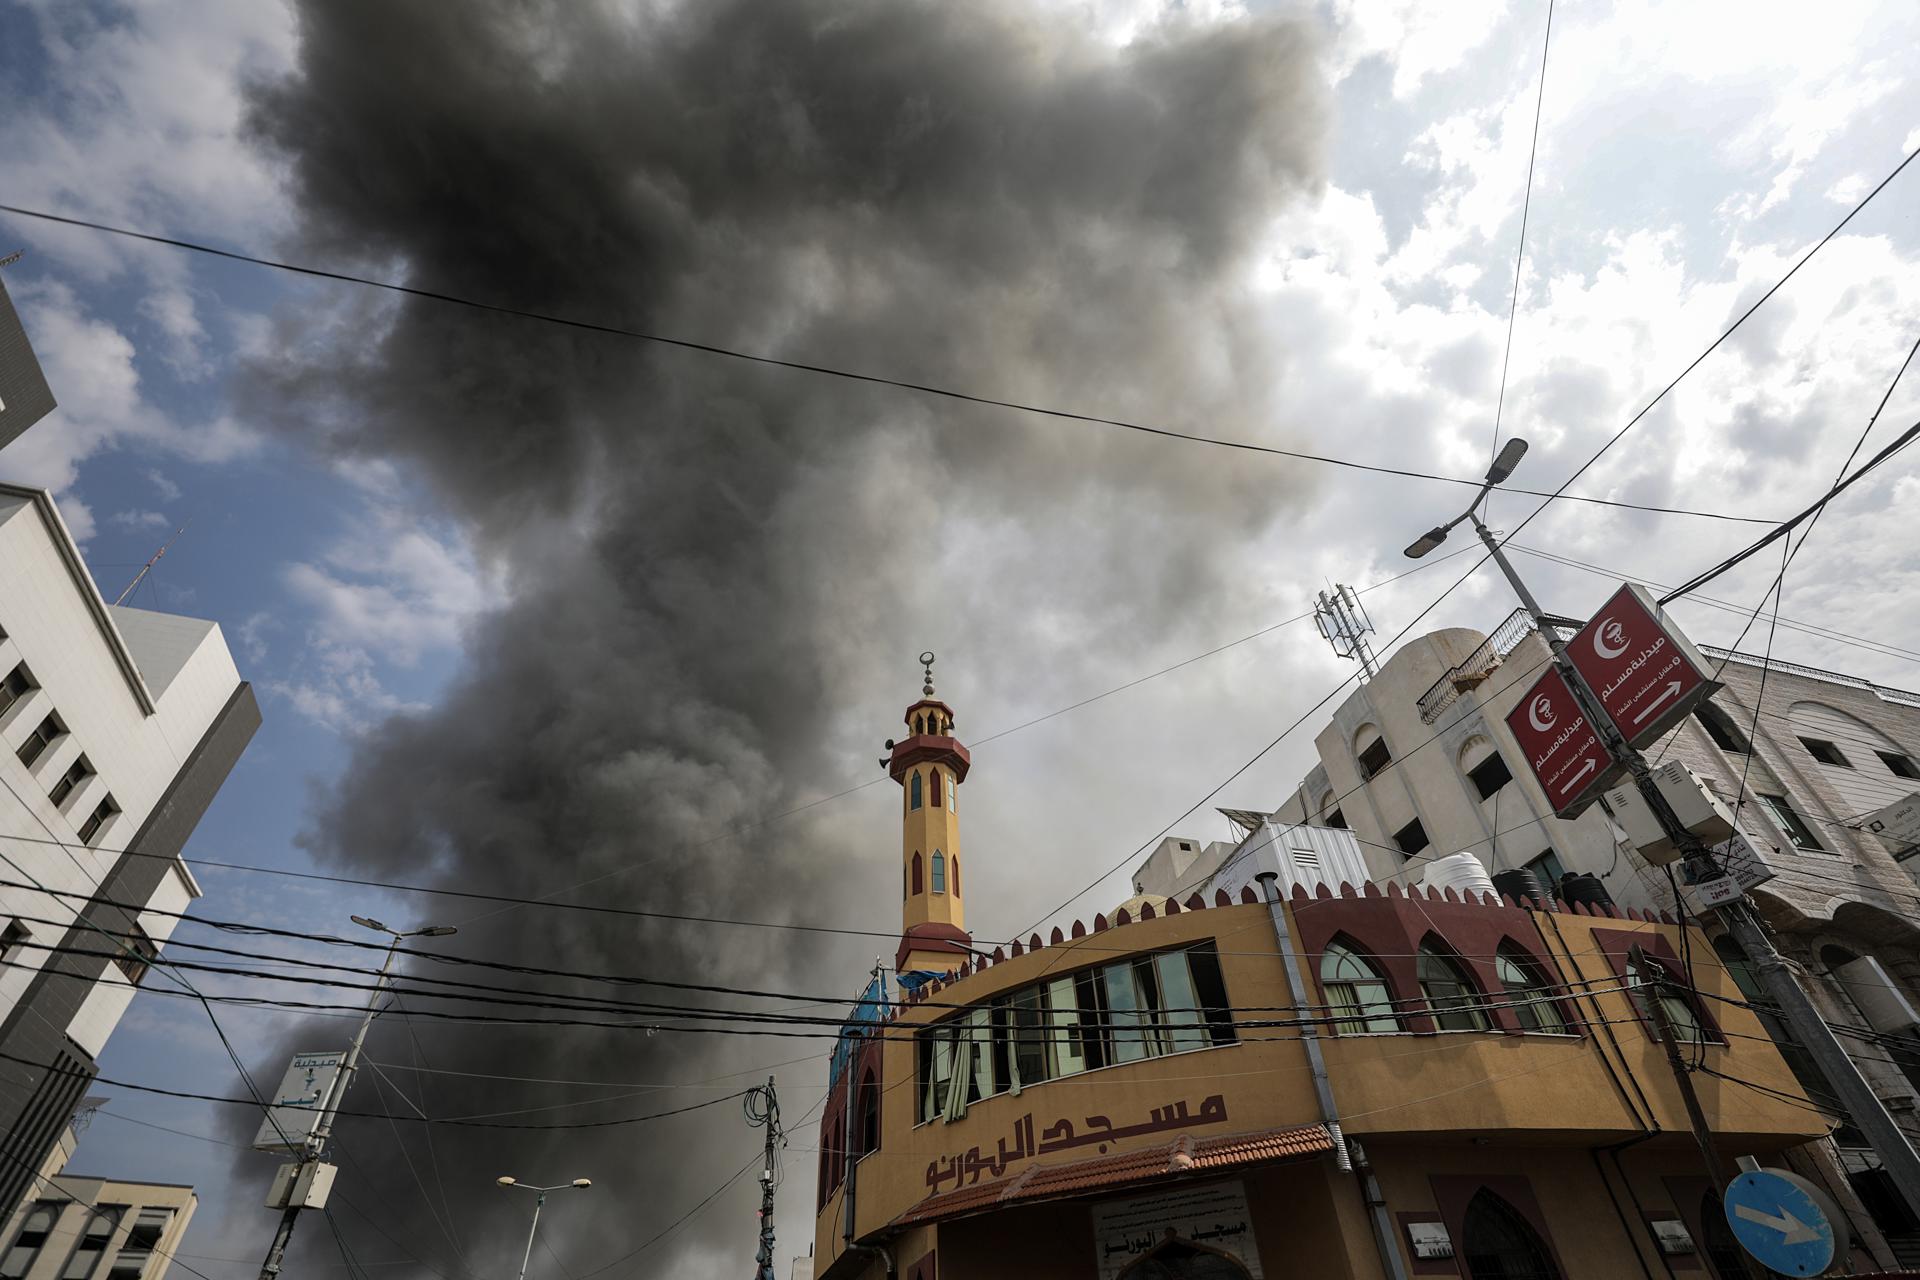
<point x="1498" y="1244"/>
<point x="1177" y="1259"/>
<point x="1724" y="1254"/>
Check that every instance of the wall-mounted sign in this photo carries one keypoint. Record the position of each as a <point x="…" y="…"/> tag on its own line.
<point x="1175" y="1225"/>
<point x="1647" y="675"/>
<point x="1429" y="1240"/>
<point x="297" y="1106"/>
<point x="1672" y="1236"/>
<point x="1562" y="748"/>
<point x="1898" y="824"/>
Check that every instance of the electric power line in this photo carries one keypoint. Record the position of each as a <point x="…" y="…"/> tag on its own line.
<point x="800" y="366"/>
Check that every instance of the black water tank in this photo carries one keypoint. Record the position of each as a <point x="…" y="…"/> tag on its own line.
<point x="1578" y="886"/>
<point x="1519" y="885"/>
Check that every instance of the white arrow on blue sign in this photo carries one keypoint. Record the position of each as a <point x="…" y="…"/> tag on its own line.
<point x="1785" y="1222"/>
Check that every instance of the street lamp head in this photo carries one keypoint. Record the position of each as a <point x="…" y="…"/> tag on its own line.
<point x="435" y="931"/>
<point x="1427" y="542"/>
<point x="583" y="1183"/>
<point x="1510" y="455"/>
<point x="504" y="1181"/>
<point x="367" y="922"/>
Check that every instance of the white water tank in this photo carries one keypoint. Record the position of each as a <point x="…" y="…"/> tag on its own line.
<point x="1461" y="872"/>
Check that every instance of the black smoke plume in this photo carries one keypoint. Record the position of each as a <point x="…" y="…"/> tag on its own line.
<point x="708" y="562"/>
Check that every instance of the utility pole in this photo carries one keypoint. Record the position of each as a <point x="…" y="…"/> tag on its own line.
<point x="316" y="1142"/>
<point x="1856" y="1096"/>
<point x="1647" y="996"/>
<point x="763" y="1109"/>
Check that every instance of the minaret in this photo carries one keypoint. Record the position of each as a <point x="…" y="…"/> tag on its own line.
<point x="930" y="764"/>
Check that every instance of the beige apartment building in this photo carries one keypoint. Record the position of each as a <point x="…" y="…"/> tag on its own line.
<point x="1418" y="764"/>
<point x="74" y="1227"/>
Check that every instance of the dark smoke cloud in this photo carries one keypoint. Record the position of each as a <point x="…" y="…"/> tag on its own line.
<point x="709" y="561"/>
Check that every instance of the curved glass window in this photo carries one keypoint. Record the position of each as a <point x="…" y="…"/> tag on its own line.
<point x="1451" y="997"/>
<point x="1662" y="987"/>
<point x="1528" y="992"/>
<point x="939" y="872"/>
<point x="1498" y="1244"/>
<point x="1357" y="995"/>
<point x="914" y="796"/>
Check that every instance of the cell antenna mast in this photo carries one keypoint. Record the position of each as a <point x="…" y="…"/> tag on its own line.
<point x="1343" y="621"/>
<point x="147" y="568"/>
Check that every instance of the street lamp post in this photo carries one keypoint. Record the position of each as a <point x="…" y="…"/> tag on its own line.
<point x="1855" y="1095"/>
<point x="317" y="1140"/>
<point x="505" y="1181"/>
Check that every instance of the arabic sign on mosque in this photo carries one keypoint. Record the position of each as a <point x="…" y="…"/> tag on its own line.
<point x="1212" y="1218"/>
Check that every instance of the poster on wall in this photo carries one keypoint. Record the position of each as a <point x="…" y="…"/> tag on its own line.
<point x="1211" y="1218"/>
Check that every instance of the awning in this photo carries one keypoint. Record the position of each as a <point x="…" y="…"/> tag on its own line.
<point x="1185" y="1157"/>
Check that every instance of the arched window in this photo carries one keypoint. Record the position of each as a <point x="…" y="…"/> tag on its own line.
<point x="1498" y="1244"/>
<point x="917" y="883"/>
<point x="32" y="1237"/>
<point x="869" y="1116"/>
<point x="953" y="789"/>
<point x="956" y="875"/>
<point x="1451" y="997"/>
<point x="1664" y="988"/>
<point x="913" y="791"/>
<point x="934" y="777"/>
<point x="919" y="724"/>
<point x="1528" y="991"/>
<point x="939" y="872"/>
<point x="1356" y="993"/>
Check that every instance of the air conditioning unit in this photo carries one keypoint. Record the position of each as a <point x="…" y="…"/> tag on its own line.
<point x="1699" y="811"/>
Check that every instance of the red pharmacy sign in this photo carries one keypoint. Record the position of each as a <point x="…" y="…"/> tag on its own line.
<point x="1645" y="672"/>
<point x="1562" y="747"/>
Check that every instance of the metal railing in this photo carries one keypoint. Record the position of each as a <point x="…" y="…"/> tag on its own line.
<point x="1505" y="639"/>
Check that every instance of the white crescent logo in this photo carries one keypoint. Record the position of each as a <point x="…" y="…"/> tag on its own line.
<point x="1540" y="714"/>
<point x="1609" y="639"/>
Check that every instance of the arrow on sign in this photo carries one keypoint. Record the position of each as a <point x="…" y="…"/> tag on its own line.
<point x="1793" y="1231"/>
<point x="1672" y="688"/>
<point x="1583" y="771"/>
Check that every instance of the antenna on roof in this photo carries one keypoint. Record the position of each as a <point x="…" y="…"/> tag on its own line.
<point x="147" y="568"/>
<point x="13" y="257"/>
<point x="1343" y="622"/>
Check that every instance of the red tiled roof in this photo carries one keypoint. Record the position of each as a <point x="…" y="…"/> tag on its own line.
<point x="1186" y="1156"/>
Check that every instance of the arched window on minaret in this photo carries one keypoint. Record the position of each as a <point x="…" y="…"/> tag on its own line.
<point x="939" y="872"/>
<point x="952" y="791"/>
<point x="913" y="791"/>
<point x="919" y="724"/>
<point x="956" y="875"/>
<point x="916" y="871"/>
<point x="933" y="776"/>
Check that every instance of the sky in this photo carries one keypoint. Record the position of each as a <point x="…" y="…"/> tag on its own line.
<point x="550" y="614"/>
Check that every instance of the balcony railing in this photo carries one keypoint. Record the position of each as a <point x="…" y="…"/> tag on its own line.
<point x="1476" y="666"/>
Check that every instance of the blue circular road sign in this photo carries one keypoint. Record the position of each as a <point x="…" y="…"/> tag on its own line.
<point x="1785" y="1222"/>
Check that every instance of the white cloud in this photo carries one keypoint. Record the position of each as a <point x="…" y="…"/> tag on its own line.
<point x="133" y="520"/>
<point x="91" y="366"/>
<point x="1419" y="40"/>
<point x="165" y="487"/>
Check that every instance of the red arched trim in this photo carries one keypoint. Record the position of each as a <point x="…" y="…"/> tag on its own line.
<point x="953" y="869"/>
<point x="933" y="777"/>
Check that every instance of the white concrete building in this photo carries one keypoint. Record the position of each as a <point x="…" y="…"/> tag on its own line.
<point x="118" y="727"/>
<point x="1418" y="764"/>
